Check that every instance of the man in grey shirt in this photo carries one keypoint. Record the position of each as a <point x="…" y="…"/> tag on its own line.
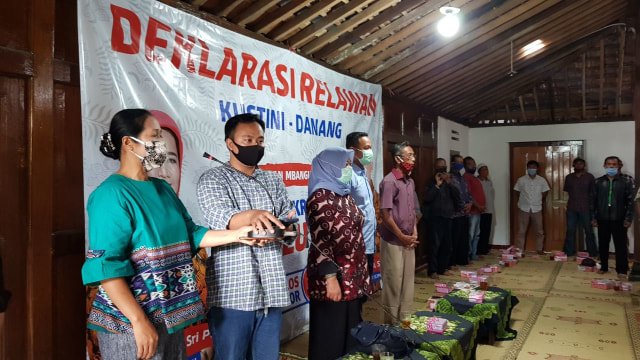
<point x="486" y="218"/>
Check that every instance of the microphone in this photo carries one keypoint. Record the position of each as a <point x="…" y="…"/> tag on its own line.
<point x="273" y="204"/>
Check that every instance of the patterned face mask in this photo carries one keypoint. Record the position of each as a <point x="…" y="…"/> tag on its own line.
<point x="156" y="153"/>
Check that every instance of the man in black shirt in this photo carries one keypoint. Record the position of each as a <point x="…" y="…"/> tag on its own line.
<point x="441" y="200"/>
<point x="579" y="186"/>
<point x="612" y="212"/>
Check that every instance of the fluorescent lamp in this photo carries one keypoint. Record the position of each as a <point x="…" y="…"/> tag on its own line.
<point x="533" y="47"/>
<point x="449" y="24"/>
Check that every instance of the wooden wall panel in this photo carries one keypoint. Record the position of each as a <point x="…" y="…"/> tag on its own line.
<point x="405" y="120"/>
<point x="68" y="224"/>
<point x="14" y="25"/>
<point x="13" y="212"/>
<point x="66" y="35"/>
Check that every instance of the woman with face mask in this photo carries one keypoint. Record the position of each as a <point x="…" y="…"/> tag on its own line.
<point x="337" y="267"/>
<point x="141" y="241"/>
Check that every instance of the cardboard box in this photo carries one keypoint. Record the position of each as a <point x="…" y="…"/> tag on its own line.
<point x="508" y="257"/>
<point x="560" y="258"/>
<point x="582" y="254"/>
<point x="467" y="273"/>
<point x="436" y="325"/>
<point x="476" y="296"/>
<point x="442" y="288"/>
<point x="603" y="284"/>
<point x="626" y="286"/>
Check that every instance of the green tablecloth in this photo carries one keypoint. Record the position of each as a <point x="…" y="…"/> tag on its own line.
<point x="494" y="314"/>
<point x="457" y="343"/>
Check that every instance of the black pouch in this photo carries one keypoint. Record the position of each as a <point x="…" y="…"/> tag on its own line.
<point x="368" y="333"/>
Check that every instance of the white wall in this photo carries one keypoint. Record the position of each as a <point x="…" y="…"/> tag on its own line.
<point x="446" y="144"/>
<point x="491" y="146"/>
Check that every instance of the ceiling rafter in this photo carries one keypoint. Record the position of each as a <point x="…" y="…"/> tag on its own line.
<point x="497" y="66"/>
<point x="254" y="11"/>
<point x="492" y="51"/>
<point x="333" y="18"/>
<point x="346" y="58"/>
<point x="413" y="39"/>
<point x="283" y="31"/>
<point x="438" y="54"/>
<point x="281" y="14"/>
<point x="486" y="93"/>
<point x="535" y="72"/>
<point x="331" y="35"/>
<point x="332" y="48"/>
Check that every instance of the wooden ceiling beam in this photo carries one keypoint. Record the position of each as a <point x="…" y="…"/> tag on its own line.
<point x="254" y="11"/>
<point x="286" y="29"/>
<point x="584" y="85"/>
<point x="490" y="51"/>
<point x="331" y="49"/>
<point x="198" y="3"/>
<point x="333" y="18"/>
<point x="524" y="115"/>
<point x="224" y="8"/>
<point x="409" y="23"/>
<point x="535" y="98"/>
<point x="492" y="93"/>
<point x="480" y="123"/>
<point x="347" y="26"/>
<point x="281" y="14"/>
<point x="486" y="70"/>
<point x="413" y="36"/>
<point x="494" y="59"/>
<point x="436" y="54"/>
<point x="600" y="95"/>
<point x="621" y="42"/>
<point x="485" y="94"/>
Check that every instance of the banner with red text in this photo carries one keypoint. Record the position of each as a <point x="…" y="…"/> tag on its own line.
<point x="194" y="76"/>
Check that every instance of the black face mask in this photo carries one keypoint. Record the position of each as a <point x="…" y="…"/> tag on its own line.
<point x="441" y="169"/>
<point x="249" y="155"/>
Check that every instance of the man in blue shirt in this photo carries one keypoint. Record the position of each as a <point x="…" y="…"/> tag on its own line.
<point x="361" y="190"/>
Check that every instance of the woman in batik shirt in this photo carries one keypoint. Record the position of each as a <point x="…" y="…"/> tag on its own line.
<point x="338" y="277"/>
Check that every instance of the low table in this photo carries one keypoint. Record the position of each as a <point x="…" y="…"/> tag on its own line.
<point x="457" y="343"/>
<point x="492" y="316"/>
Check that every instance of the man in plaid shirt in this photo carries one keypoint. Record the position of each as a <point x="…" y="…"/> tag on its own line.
<point x="246" y="285"/>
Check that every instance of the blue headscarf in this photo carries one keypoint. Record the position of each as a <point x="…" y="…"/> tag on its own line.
<point x="325" y="176"/>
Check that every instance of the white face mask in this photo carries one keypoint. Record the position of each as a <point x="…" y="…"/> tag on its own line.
<point x="156" y="153"/>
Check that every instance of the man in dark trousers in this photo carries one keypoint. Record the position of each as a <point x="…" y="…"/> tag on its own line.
<point x="460" y="227"/>
<point x="579" y="186"/>
<point x="440" y="201"/>
<point x="612" y="212"/>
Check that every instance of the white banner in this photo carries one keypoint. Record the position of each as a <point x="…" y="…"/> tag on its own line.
<point x="196" y="75"/>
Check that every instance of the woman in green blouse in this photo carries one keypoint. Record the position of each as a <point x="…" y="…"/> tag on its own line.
<point x="141" y="241"/>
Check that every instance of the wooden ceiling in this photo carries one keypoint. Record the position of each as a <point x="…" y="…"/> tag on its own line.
<point x="584" y="72"/>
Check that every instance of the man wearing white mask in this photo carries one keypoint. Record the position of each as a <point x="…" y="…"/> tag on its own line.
<point x="362" y="192"/>
<point x="531" y="190"/>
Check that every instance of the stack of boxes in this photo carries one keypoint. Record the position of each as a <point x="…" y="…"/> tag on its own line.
<point x="436" y="325"/>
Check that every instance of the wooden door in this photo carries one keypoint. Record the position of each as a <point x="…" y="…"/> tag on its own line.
<point x="555" y="159"/>
<point x="13" y="214"/>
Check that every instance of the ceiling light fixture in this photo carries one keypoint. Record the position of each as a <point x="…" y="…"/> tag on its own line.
<point x="532" y="47"/>
<point x="449" y="24"/>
